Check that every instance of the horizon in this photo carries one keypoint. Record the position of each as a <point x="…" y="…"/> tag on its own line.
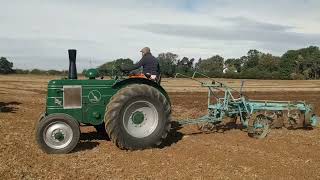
<point x="37" y="33"/>
<point x="179" y="58"/>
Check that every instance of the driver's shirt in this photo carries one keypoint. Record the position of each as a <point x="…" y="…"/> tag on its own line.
<point x="149" y="63"/>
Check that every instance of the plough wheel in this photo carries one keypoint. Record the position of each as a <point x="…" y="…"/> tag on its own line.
<point x="309" y="120"/>
<point x="296" y="119"/>
<point x="259" y="127"/>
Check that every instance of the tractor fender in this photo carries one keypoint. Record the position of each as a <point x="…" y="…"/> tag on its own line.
<point x="126" y="82"/>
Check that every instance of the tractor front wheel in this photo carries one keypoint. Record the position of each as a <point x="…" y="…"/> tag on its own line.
<point x="57" y="134"/>
<point x="138" y="117"/>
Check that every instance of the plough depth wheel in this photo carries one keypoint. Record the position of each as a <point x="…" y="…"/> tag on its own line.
<point x="260" y="127"/>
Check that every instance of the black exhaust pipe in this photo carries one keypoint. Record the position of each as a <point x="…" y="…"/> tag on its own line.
<point x="72" y="64"/>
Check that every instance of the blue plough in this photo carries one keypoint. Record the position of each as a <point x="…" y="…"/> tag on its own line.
<point x="256" y="116"/>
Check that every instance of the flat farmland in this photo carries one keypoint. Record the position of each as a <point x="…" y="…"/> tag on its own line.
<point x="186" y="154"/>
<point x="187" y="85"/>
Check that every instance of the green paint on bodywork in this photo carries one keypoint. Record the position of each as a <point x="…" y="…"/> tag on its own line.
<point x="96" y="94"/>
<point x="92" y="73"/>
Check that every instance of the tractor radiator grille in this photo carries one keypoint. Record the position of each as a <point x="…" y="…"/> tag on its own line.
<point x="72" y="97"/>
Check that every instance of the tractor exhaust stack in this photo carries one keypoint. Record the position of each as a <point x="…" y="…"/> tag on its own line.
<point x="72" y="64"/>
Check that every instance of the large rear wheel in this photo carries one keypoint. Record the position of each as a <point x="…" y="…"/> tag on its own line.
<point x="138" y="117"/>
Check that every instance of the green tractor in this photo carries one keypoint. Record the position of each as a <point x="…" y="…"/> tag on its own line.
<point x="135" y="112"/>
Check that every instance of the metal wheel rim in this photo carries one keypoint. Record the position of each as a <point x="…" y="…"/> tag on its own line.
<point x="54" y="129"/>
<point x="261" y="131"/>
<point x="149" y="124"/>
<point x="294" y="118"/>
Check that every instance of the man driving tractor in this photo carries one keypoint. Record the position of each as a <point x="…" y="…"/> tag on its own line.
<point x="150" y="64"/>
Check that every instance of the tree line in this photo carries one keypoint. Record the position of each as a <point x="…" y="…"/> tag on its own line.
<point x="294" y="64"/>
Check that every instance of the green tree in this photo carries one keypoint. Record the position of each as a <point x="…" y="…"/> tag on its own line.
<point x="235" y="64"/>
<point x="259" y="65"/>
<point x="5" y="66"/>
<point x="268" y="62"/>
<point x="167" y="62"/>
<point x="113" y="67"/>
<point x="54" y="72"/>
<point x="21" y="71"/>
<point x="212" y="66"/>
<point x="37" y="71"/>
<point x="289" y="63"/>
<point x="231" y="72"/>
<point x="185" y="66"/>
<point x="252" y="59"/>
<point x="310" y="62"/>
<point x="304" y="62"/>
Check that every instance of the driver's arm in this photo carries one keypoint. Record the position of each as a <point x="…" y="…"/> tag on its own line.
<point x="135" y="66"/>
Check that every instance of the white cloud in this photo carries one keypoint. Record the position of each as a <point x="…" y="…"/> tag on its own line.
<point x="37" y="33"/>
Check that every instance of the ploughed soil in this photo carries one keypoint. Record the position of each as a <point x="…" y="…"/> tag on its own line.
<point x="186" y="153"/>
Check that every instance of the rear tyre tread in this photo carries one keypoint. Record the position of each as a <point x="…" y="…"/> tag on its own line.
<point x="113" y="117"/>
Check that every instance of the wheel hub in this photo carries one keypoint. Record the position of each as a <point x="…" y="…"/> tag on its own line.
<point x="137" y="117"/>
<point x="260" y="127"/>
<point x="58" y="135"/>
<point x="140" y="118"/>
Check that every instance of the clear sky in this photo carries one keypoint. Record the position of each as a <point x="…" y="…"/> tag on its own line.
<point x="37" y="33"/>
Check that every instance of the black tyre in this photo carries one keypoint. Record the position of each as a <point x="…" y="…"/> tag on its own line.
<point x="138" y="117"/>
<point x="57" y="134"/>
<point x="101" y="129"/>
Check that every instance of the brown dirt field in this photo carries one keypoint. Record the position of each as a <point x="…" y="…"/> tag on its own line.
<point x="187" y="154"/>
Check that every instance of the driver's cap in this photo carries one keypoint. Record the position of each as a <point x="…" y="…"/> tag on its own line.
<point x="145" y="50"/>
